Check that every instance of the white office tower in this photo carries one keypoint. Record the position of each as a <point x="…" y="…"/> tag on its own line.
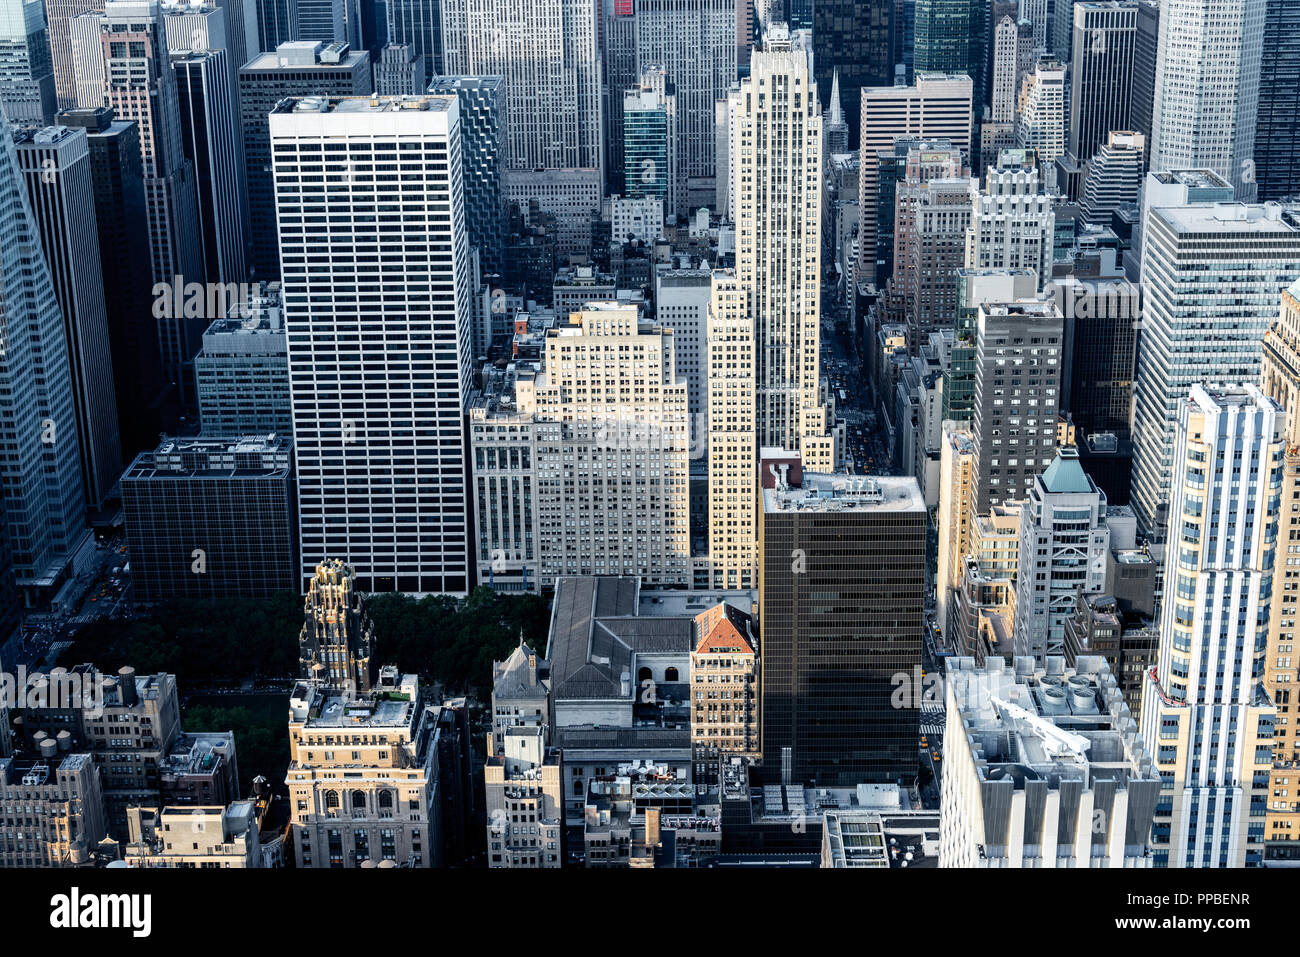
<point x="1114" y="176"/>
<point x="733" y="444"/>
<point x="1212" y="274"/>
<point x="937" y="106"/>
<point x="40" y="461"/>
<point x="1064" y="542"/>
<point x="1207" y="88"/>
<point x="123" y="63"/>
<point x="778" y="243"/>
<point x="694" y="42"/>
<point x="379" y="344"/>
<point x="725" y="118"/>
<point x="1038" y="13"/>
<point x="1040" y="119"/>
<point x="1204" y="708"/>
<point x="195" y="26"/>
<point x="1006" y="69"/>
<point x="547" y="51"/>
<point x="1012" y="224"/>
<point x="55" y="162"/>
<point x="1043" y="767"/>
<point x="609" y="428"/>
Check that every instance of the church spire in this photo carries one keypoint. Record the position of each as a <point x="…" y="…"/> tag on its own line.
<point x="837" y="110"/>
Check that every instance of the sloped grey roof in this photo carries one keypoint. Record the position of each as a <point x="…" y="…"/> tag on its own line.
<point x="510" y="678"/>
<point x="595" y="629"/>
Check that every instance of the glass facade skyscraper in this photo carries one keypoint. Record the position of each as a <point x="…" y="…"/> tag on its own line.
<point x="26" y="73"/>
<point x="1277" y="133"/>
<point x="856" y="38"/>
<point x="949" y="38"/>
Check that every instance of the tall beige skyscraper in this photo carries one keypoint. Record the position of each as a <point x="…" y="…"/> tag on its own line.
<point x="778" y="243"/>
<point x="764" y="334"/>
<point x="733" y="443"/>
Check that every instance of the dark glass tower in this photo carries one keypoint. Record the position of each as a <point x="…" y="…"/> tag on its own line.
<point x="841" y="590"/>
<point x="950" y="39"/>
<point x="1277" y="134"/>
<point x="855" y="37"/>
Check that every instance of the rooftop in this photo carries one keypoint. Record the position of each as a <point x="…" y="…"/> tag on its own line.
<point x="249" y="455"/>
<point x="597" y="628"/>
<point x="821" y="492"/>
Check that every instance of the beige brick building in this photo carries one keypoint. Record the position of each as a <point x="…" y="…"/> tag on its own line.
<point x="1281" y="381"/>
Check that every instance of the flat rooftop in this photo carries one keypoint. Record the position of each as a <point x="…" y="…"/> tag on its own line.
<point x="1232" y="218"/>
<point x="821" y="492"/>
<point x="366" y="104"/>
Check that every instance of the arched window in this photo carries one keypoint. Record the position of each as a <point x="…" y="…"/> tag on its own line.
<point x="358" y="800"/>
<point x="643" y="674"/>
<point x="671" y="675"/>
<point x="385" y="799"/>
<point x="331" y="799"/>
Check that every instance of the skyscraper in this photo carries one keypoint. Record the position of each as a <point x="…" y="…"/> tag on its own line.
<point x="418" y="25"/>
<point x="1207" y="88"/>
<point x="210" y="137"/>
<point x="620" y="76"/>
<point x="1018" y="349"/>
<point x="59" y="15"/>
<point x="1114" y="176"/>
<point x="950" y="39"/>
<point x="1101" y="73"/>
<point x="1063" y="545"/>
<point x="840" y="596"/>
<point x="937" y="106"/>
<point x="1203" y="706"/>
<point x="852" y="38"/>
<point x="650" y="140"/>
<point x="390" y="417"/>
<point x="399" y="71"/>
<point x="26" y="73"/>
<point x="55" y="162"/>
<point x="1040" y="120"/>
<point x="1146" y="48"/>
<point x="292" y="69"/>
<point x="547" y="52"/>
<point x="778" y="243"/>
<point x="481" y="141"/>
<point x="1025" y="761"/>
<point x="1212" y="274"/>
<point x="1277" y="137"/>
<point x="323" y="20"/>
<point x="1012" y="222"/>
<point x="40" y="458"/>
<point x="733" y="445"/>
<point x="122" y="226"/>
<point x="607" y="401"/>
<point x="119" y="53"/>
<point x="694" y="42"/>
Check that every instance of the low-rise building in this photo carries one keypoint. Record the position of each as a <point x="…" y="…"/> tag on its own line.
<point x="51" y="808"/>
<point x="525" y="805"/>
<point x="189" y="837"/>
